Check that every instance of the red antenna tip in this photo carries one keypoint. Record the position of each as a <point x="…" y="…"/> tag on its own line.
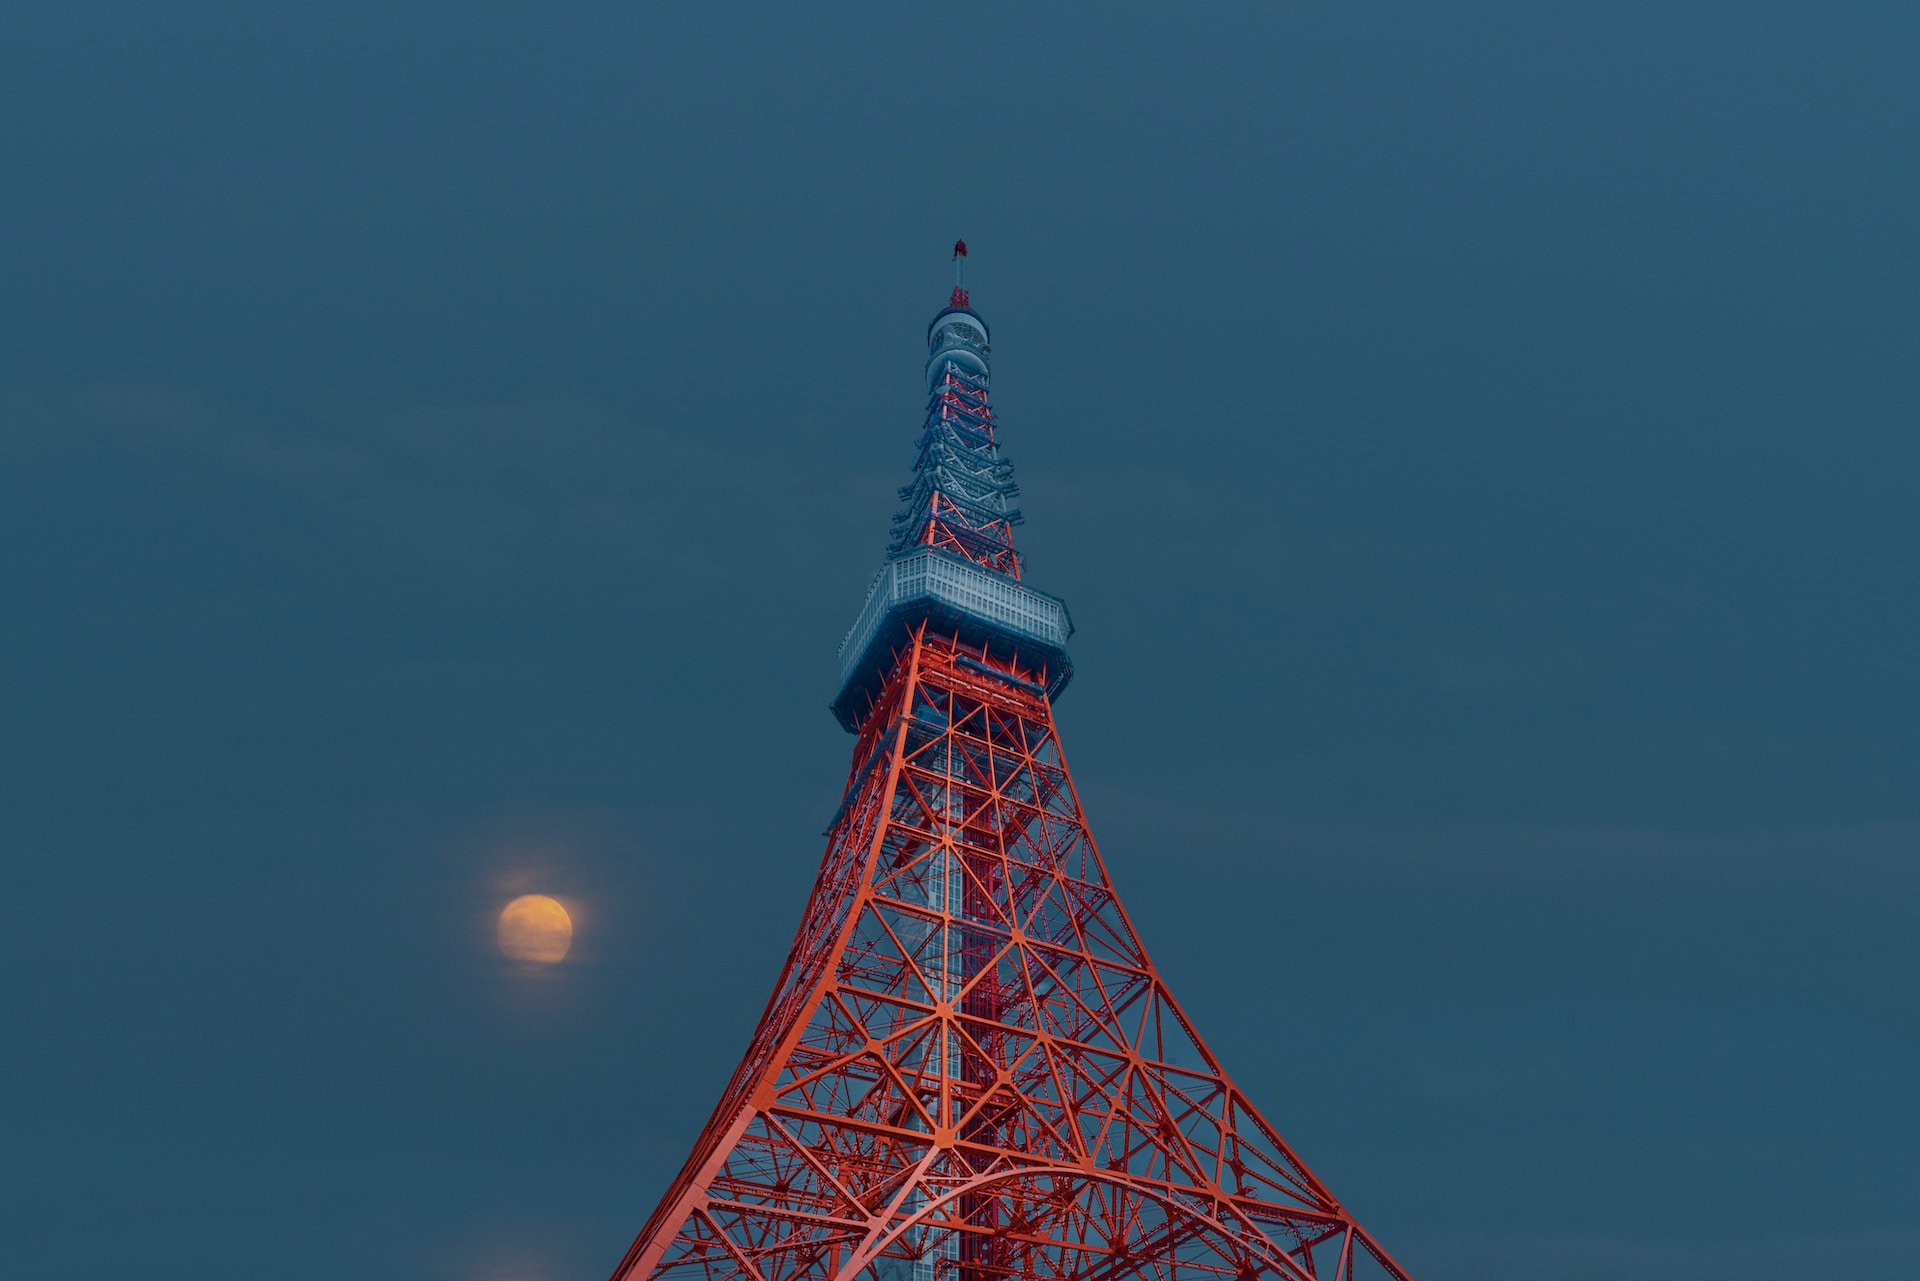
<point x="960" y="297"/>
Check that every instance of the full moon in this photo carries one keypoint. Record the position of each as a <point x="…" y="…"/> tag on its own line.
<point x="535" y="929"/>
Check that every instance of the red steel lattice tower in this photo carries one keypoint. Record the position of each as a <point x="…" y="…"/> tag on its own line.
<point x="969" y="1069"/>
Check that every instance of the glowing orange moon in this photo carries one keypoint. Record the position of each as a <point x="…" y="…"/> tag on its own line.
<point x="535" y="929"/>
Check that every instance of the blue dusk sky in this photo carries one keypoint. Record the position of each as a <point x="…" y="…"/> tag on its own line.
<point x="441" y="447"/>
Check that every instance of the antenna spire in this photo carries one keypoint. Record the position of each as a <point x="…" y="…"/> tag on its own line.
<point x="960" y="296"/>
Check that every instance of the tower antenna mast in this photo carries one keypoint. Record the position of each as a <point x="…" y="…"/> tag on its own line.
<point x="961" y="298"/>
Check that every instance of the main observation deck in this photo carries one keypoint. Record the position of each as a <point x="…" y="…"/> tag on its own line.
<point x="1008" y="618"/>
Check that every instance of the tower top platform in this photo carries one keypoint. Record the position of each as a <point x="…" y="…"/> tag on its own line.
<point x="958" y="335"/>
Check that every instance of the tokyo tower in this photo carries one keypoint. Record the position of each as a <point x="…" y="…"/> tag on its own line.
<point x="969" y="1069"/>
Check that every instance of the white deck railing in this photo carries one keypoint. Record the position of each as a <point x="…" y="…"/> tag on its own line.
<point x="933" y="575"/>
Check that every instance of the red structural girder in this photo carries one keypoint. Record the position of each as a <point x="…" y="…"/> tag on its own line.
<point x="986" y="542"/>
<point x="960" y="399"/>
<point x="969" y="1068"/>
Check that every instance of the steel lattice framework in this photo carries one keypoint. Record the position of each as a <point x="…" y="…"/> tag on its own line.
<point x="969" y="1069"/>
<point x="958" y="499"/>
